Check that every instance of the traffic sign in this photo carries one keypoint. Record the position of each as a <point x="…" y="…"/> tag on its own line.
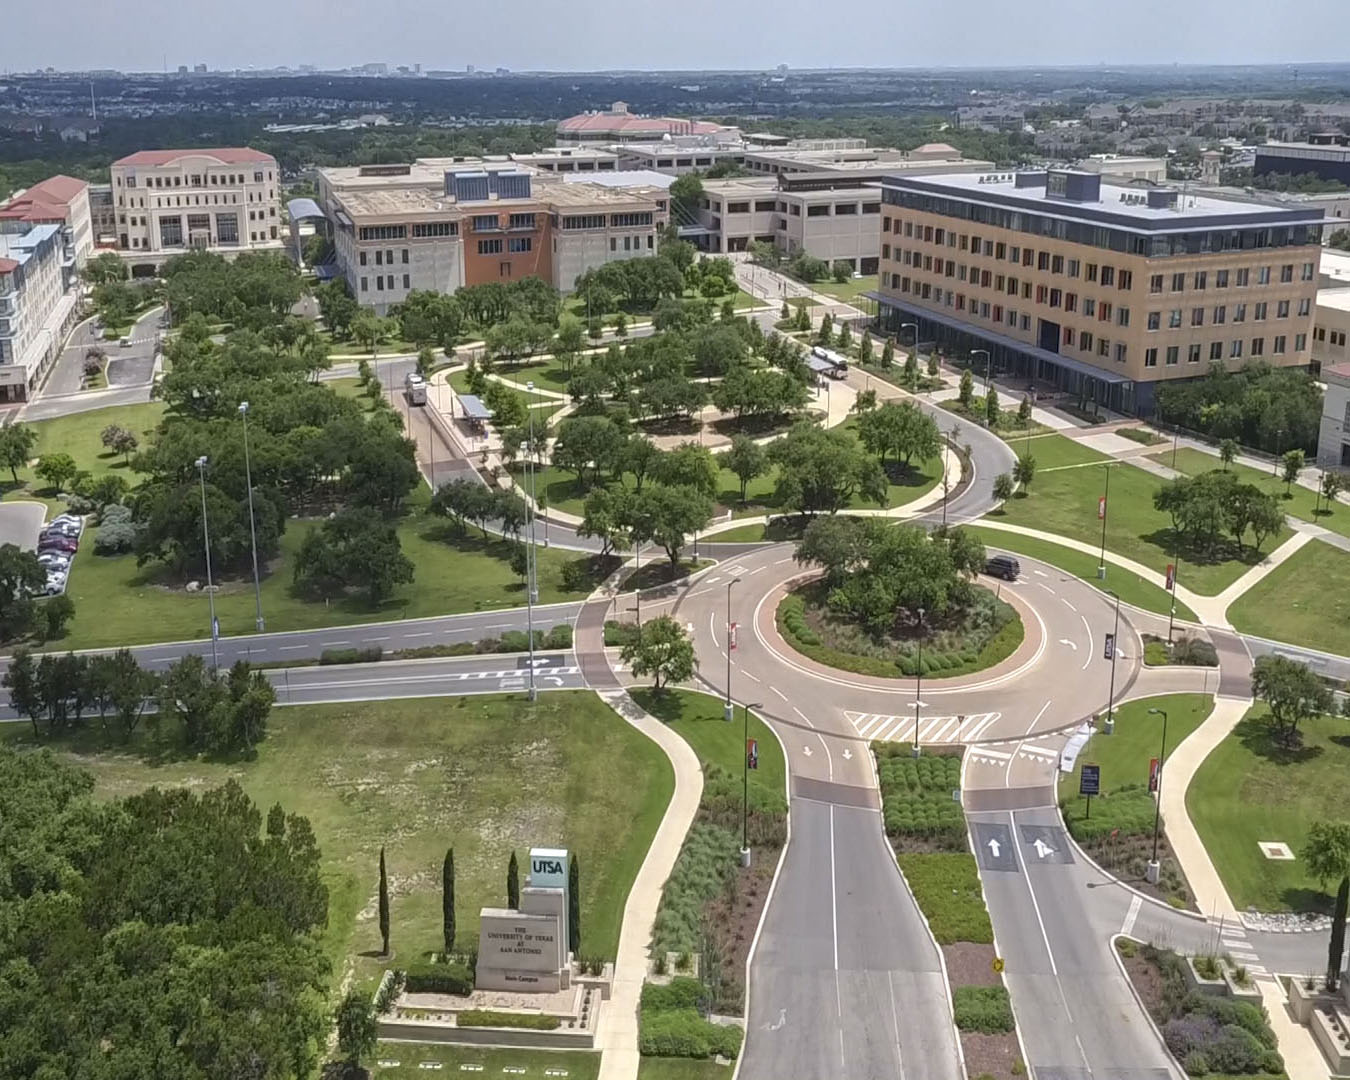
<point x="1109" y="649"/>
<point x="997" y="965"/>
<point x="1090" y="782"/>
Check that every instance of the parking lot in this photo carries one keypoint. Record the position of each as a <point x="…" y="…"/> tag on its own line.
<point x="20" y="523"/>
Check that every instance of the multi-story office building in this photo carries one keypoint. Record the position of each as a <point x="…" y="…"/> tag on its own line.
<point x="397" y="228"/>
<point x="61" y="201"/>
<point x="1326" y="156"/>
<point x="1102" y="291"/>
<point x="569" y="159"/>
<point x="618" y="125"/>
<point x="171" y="201"/>
<point x="37" y="306"/>
<point x="1120" y="167"/>
<point x="830" y="210"/>
<point x="1333" y="437"/>
<point x="102" y="215"/>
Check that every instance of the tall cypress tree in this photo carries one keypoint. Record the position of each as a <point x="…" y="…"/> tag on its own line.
<point x="513" y="883"/>
<point x="574" y="907"/>
<point x="448" y="901"/>
<point x="384" y="903"/>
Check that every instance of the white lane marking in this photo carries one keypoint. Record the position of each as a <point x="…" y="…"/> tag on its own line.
<point x="424" y="633"/>
<point x="1007" y="775"/>
<point x="779" y="692"/>
<point x="748" y="675"/>
<point x="712" y="629"/>
<point x="780" y="562"/>
<point x="1088" y="658"/>
<point x="895" y="1019"/>
<point x="834" y="900"/>
<point x="756" y="570"/>
<point x="385" y="638"/>
<point x="1127" y="927"/>
<point x="1068" y="605"/>
<point x="927" y="727"/>
<point x="281" y="648"/>
<point x="1046" y="587"/>
<point x="329" y="644"/>
<point x="829" y="758"/>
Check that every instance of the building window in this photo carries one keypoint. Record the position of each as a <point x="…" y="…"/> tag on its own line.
<point x="365" y="284"/>
<point x="1178" y="282"/>
<point x="1220" y="314"/>
<point x="405" y="256"/>
<point x="227" y="228"/>
<point x="1120" y="352"/>
<point x="1300" y="342"/>
<point x="820" y="210"/>
<point x="491" y="247"/>
<point x="1173" y="355"/>
<point x="1243" y="277"/>
<point x="1240" y="313"/>
<point x="1155" y="284"/>
<point x="1263" y="276"/>
<point x="1126" y="280"/>
<point x="1307" y="271"/>
<point x="383" y="232"/>
<point x="1193" y="353"/>
<point x="1221" y="279"/>
<point x="1304" y="306"/>
<point x="1108" y="275"/>
<point x="435" y="228"/>
<point x="1085" y="341"/>
<point x="1286" y="273"/>
<point x="1259" y="314"/>
<point x="1155" y="320"/>
<point x="1235" y="349"/>
<point x="1278" y="348"/>
<point x="171" y="232"/>
<point x="1104" y="311"/>
<point x="1068" y="335"/>
<point x="1216" y="350"/>
<point x="518" y="245"/>
<point x="1150" y="358"/>
<point x="1123" y="316"/>
<point x="1070" y="301"/>
<point x="629" y="221"/>
<point x="1282" y="309"/>
<point x="1174" y="319"/>
<point x="1258" y="346"/>
<point x="1201" y="277"/>
<point x="1198" y="316"/>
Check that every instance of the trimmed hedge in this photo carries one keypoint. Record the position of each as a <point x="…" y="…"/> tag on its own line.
<point x="351" y="656"/>
<point x="670" y="1024"/>
<point x="618" y="633"/>
<point x="489" y="1018"/>
<point x="916" y="795"/>
<point x="682" y="992"/>
<point x="985" y="1009"/>
<point x="947" y="889"/>
<point x="439" y="979"/>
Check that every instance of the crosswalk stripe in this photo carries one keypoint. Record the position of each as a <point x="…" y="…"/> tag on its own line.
<point x="891" y="727"/>
<point x="948" y="726"/>
<point x="875" y="720"/>
<point x="978" y="729"/>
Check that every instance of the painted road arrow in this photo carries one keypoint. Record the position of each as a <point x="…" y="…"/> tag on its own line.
<point x="1070" y="644"/>
<point x="806" y="750"/>
<point x="993" y="847"/>
<point x="1042" y="848"/>
<point x="848" y="754"/>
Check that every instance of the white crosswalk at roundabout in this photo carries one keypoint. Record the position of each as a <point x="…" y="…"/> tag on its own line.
<point x="932" y="729"/>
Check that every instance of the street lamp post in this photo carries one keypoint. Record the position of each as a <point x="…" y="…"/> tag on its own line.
<point x="1115" y="648"/>
<point x="252" y="526"/>
<point x="206" y="540"/>
<point x="1176" y="436"/>
<point x="988" y="365"/>
<point x="745" y="782"/>
<point x="918" y="687"/>
<point x="530" y="596"/>
<point x="946" y="483"/>
<point x="1176" y="572"/>
<point x="1152" y="872"/>
<point x="727" y="707"/>
<point x="1106" y="496"/>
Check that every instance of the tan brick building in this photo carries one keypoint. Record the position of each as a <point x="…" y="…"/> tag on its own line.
<point x="1101" y="290"/>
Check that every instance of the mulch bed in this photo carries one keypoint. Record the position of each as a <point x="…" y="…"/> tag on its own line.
<point x="1147" y="980"/>
<point x="991" y="1055"/>
<point x="735" y="919"/>
<point x="969" y="964"/>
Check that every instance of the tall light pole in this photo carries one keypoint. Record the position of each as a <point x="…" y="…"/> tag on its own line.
<point x="1115" y="648"/>
<point x="529" y="552"/>
<point x="252" y="526"/>
<point x="206" y="539"/>
<point x="1105" y="509"/>
<point x="988" y="365"/>
<point x="918" y="686"/>
<point x="727" y="708"/>
<point x="1151" y="874"/>
<point x="1176" y="436"/>
<point x="745" y="782"/>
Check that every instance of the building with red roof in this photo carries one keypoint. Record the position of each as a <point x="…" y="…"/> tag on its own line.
<point x="226" y="200"/>
<point x="618" y="125"/>
<point x="58" y="200"/>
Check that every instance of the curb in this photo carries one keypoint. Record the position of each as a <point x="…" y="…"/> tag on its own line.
<point x="1177" y="1070"/>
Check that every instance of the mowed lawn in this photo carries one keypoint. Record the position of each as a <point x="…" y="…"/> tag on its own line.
<point x="486" y="1062"/>
<point x="120" y="603"/>
<point x="1065" y="503"/>
<point x="482" y="774"/>
<point x="1250" y="790"/>
<point x="1054" y="451"/>
<point x="849" y="290"/>
<point x="1304" y="601"/>
<point x="1131" y="588"/>
<point x="1297" y="501"/>
<point x="1124" y="755"/>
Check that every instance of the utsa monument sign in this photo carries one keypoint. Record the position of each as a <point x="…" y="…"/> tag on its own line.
<point x="527" y="949"/>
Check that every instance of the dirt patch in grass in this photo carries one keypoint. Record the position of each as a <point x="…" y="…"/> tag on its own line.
<point x="969" y="964"/>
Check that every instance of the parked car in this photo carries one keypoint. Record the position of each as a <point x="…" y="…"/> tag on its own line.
<point x="71" y="521"/>
<point x="56" y="584"/>
<point x="68" y="531"/>
<point x="58" y="543"/>
<point x="58" y="560"/>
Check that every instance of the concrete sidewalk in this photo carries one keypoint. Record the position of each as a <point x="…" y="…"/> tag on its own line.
<point x="617" y="1037"/>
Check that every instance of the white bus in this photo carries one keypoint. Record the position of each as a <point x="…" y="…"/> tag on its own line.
<point x="415" y="388"/>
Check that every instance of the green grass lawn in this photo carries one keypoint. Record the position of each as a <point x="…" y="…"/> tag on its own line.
<point x="1124" y="755"/>
<point x="491" y="1061"/>
<point x="1065" y="503"/>
<point x="1250" y="790"/>
<point x="1304" y="601"/>
<point x="119" y="603"/>
<point x="484" y="774"/>
<point x="698" y="718"/>
<point x="1053" y="451"/>
<point x="1297" y="501"/>
<point x="78" y="436"/>
<point x="654" y="1068"/>
<point x="459" y="382"/>
<point x="1132" y="588"/>
<point x="849" y="289"/>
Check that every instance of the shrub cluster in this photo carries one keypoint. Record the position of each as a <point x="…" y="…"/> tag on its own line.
<point x="793" y="614"/>
<point x="705" y="862"/>
<point x="917" y="795"/>
<point x="352" y="655"/>
<point x="985" y="1009"/>
<point x="1129" y="809"/>
<point x="439" y="979"/>
<point x="493" y="1019"/>
<point x="116" y="534"/>
<point x="671" y="1025"/>
<point x="619" y="634"/>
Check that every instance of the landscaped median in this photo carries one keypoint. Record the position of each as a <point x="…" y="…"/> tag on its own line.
<point x="711" y="905"/>
<point x="927" y="829"/>
<point x="1116" y="830"/>
<point x="1304" y="601"/>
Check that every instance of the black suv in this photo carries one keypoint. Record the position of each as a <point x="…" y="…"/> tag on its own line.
<point x="1004" y="566"/>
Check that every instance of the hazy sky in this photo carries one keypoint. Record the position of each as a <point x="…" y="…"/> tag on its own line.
<point x="605" y="34"/>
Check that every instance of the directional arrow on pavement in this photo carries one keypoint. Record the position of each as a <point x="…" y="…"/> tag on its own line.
<point x="1042" y="848"/>
<point x="848" y="754"/>
<point x="553" y="679"/>
<point x="806" y="750"/>
<point x="1070" y="644"/>
<point x="993" y="847"/>
<point x="782" y="1019"/>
